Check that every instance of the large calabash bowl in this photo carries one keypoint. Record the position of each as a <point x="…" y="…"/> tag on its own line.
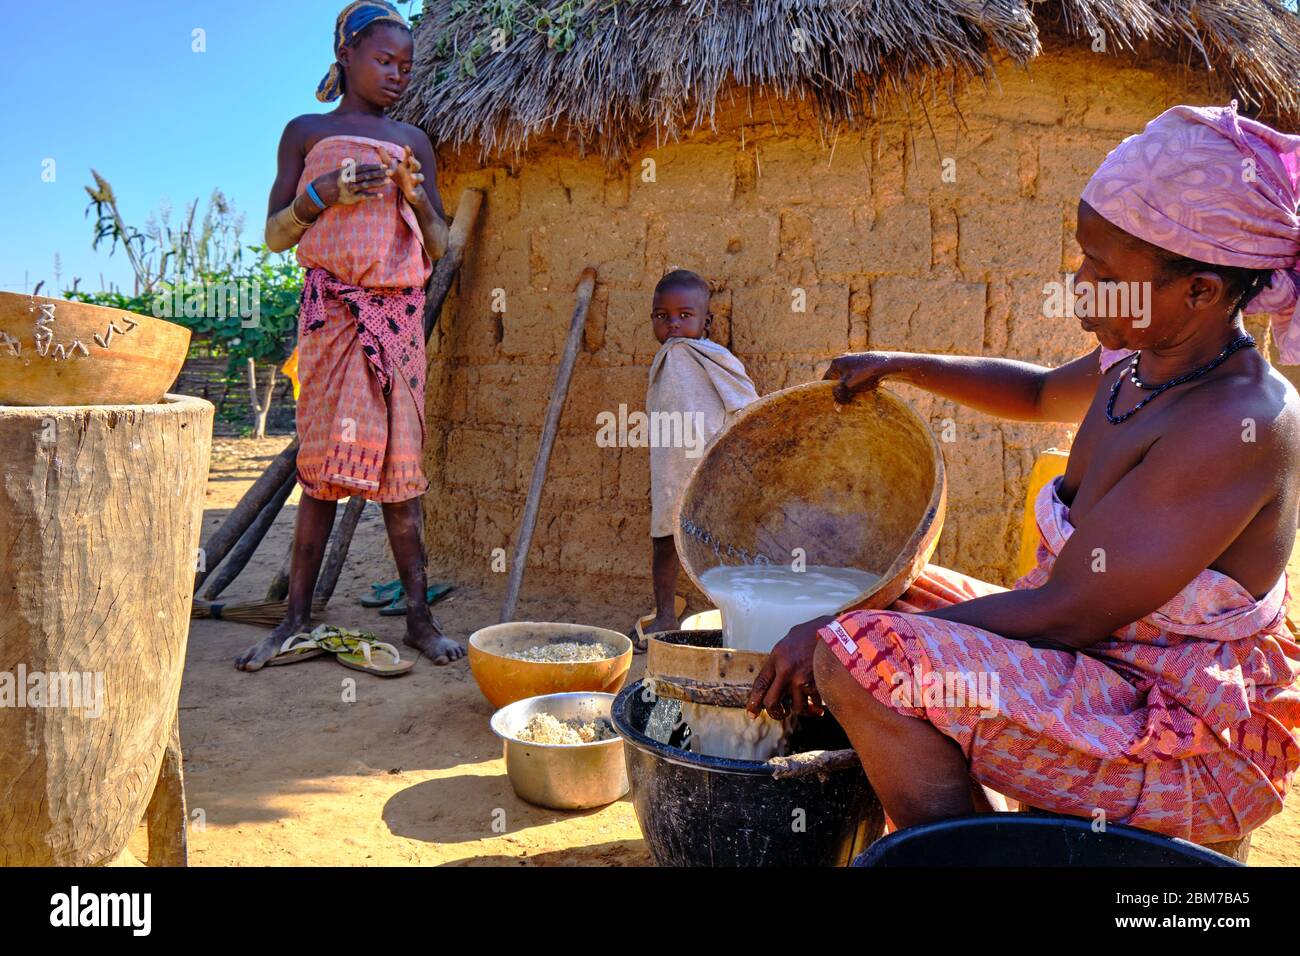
<point x="55" y="352"/>
<point x="797" y="477"/>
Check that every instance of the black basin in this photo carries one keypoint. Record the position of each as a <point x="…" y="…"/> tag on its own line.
<point x="1033" y="839"/>
<point x="698" y="810"/>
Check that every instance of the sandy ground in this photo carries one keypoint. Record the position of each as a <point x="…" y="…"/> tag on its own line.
<point x="283" y="771"/>
<point x="280" y="770"/>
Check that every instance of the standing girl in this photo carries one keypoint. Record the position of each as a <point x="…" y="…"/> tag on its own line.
<point x="349" y="192"/>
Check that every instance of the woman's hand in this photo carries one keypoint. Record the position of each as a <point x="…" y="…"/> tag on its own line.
<point x="788" y="673"/>
<point x="408" y="177"/>
<point x="858" y="371"/>
<point x="351" y="184"/>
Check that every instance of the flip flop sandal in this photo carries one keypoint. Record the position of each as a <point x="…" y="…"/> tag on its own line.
<point x="379" y="658"/>
<point x="434" y="593"/>
<point x="363" y="652"/>
<point x="297" y="647"/>
<point x="382" y="594"/>
<point x="638" y="633"/>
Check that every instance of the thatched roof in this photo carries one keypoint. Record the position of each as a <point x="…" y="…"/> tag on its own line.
<point x="602" y="72"/>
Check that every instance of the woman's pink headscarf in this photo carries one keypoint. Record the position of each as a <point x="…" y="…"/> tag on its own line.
<point x="1208" y="184"/>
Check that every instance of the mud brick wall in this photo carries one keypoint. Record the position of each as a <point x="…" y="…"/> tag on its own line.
<point x="889" y="255"/>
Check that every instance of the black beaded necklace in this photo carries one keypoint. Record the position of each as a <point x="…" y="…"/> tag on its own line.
<point x="1237" y="343"/>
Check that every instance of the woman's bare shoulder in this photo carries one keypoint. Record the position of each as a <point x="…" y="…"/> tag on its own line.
<point x="301" y="130"/>
<point x="1257" y="404"/>
<point x="408" y="134"/>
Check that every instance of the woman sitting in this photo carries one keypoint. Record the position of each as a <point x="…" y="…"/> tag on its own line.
<point x="1144" y="668"/>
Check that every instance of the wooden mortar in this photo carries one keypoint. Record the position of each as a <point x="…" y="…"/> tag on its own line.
<point x="100" y="511"/>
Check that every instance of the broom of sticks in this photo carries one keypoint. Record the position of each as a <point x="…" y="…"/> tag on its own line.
<point x="261" y="613"/>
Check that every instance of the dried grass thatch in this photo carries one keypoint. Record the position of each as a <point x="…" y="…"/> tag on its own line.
<point x="602" y="72"/>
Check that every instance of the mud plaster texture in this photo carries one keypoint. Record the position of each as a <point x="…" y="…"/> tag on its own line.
<point x="887" y="254"/>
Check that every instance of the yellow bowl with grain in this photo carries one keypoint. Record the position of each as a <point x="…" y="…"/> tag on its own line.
<point x="504" y="679"/>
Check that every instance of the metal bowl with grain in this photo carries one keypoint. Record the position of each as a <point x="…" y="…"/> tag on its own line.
<point x="562" y="776"/>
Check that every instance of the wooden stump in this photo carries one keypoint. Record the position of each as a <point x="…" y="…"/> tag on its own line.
<point x="166" y="814"/>
<point x="100" y="512"/>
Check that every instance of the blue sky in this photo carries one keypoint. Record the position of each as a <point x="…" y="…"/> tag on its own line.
<point x="118" y="87"/>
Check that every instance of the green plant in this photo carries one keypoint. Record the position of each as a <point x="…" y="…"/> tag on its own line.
<point x="200" y="276"/>
<point x="159" y="251"/>
<point x="488" y="20"/>
<point x="240" y="312"/>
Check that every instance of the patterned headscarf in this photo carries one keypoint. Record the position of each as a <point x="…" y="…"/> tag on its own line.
<point x="354" y="18"/>
<point x="1223" y="189"/>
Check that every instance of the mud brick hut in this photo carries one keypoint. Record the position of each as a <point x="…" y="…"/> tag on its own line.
<point x="910" y="169"/>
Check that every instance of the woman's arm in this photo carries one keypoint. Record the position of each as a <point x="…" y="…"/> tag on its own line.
<point x="290" y="213"/>
<point x="286" y="217"/>
<point x="1005" y="388"/>
<point x="1164" y="522"/>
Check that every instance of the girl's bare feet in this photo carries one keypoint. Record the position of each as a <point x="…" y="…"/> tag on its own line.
<point x="425" y="637"/>
<point x="403" y="520"/>
<point x="255" y="657"/>
<point x="315" y="519"/>
<point x="660" y="623"/>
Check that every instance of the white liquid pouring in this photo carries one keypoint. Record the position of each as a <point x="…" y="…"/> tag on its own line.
<point x="759" y="605"/>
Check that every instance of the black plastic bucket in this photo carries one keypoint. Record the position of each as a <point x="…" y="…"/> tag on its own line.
<point x="1033" y="839"/>
<point x="698" y="810"/>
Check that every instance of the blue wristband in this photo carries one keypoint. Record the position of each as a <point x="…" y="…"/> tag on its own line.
<point x="311" y="193"/>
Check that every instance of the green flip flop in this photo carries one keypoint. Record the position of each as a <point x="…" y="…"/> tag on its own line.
<point x="362" y="652"/>
<point x="433" y="593"/>
<point x="382" y="594"/>
<point x="296" y="647"/>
